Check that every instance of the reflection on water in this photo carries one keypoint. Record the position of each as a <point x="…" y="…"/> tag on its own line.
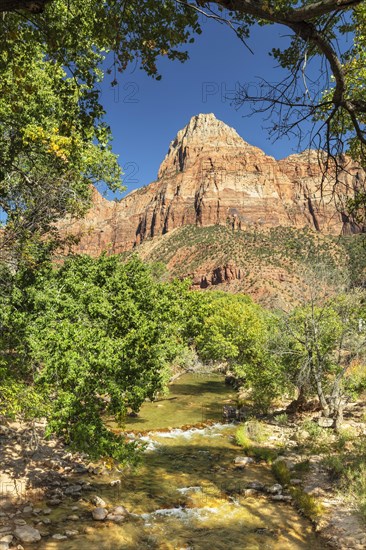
<point x="187" y="493"/>
<point x="193" y="398"/>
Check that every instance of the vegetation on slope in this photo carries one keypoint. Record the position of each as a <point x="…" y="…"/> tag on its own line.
<point x="270" y="263"/>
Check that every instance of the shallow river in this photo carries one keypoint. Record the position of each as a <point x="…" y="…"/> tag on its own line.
<point x="187" y="493"/>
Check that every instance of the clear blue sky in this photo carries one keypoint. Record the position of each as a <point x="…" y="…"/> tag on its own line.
<point x="145" y="115"/>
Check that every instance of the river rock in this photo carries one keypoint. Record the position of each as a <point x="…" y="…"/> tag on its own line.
<point x="278" y="497"/>
<point x="275" y="489"/>
<point x="7" y="538"/>
<point x="71" y="532"/>
<point x="295" y="481"/>
<point x="54" y="502"/>
<point x="4" y="545"/>
<point x="256" y="485"/>
<point x="73" y="517"/>
<point x="98" y="502"/>
<point x="73" y="489"/>
<point x="242" y="461"/>
<point x="26" y="533"/>
<point x="20" y="521"/>
<point x="99" y="513"/>
<point x="115" y="482"/>
<point x="250" y="492"/>
<point x="117" y="518"/>
<point x="325" y="422"/>
<point x="80" y="469"/>
<point x="120" y="510"/>
<point x="58" y="536"/>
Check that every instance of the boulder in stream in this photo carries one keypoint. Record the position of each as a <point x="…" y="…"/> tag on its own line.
<point x="58" y="536"/>
<point x="120" y="510"/>
<point x="98" y="502"/>
<point x="117" y="518"/>
<point x="256" y="485"/>
<point x="242" y="461"/>
<point x="26" y="533"/>
<point x="276" y="489"/>
<point x="99" y="513"/>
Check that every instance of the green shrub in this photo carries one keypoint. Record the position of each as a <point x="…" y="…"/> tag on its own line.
<point x="248" y="435"/>
<point x="313" y="428"/>
<point x="249" y="432"/>
<point x="355" y="382"/>
<point x="334" y="464"/>
<point x="307" y="504"/>
<point x="263" y="453"/>
<point x="303" y="466"/>
<point x="256" y="430"/>
<point x="345" y="435"/>
<point x="281" y="472"/>
<point x="355" y="483"/>
<point x="282" y="419"/>
<point x="242" y="438"/>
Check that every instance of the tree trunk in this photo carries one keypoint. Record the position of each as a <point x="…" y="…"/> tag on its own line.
<point x="321" y="395"/>
<point x="336" y="405"/>
<point x="338" y="420"/>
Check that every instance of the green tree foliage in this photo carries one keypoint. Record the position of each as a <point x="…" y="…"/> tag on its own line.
<point x="95" y="338"/>
<point x="320" y="343"/>
<point x="53" y="140"/>
<point x="238" y="333"/>
<point x="76" y="32"/>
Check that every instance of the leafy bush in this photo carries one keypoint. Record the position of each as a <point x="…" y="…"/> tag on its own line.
<point x="334" y="464"/>
<point x="251" y="433"/>
<point x="355" y="382"/>
<point x="242" y="438"/>
<point x="307" y="504"/>
<point x="282" y="419"/>
<point x="281" y="472"/>
<point x="94" y="338"/>
<point x="237" y="332"/>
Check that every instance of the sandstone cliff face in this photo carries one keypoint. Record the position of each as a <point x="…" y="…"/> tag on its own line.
<point x="210" y="176"/>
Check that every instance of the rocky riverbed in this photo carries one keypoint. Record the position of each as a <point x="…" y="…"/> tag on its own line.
<point x="196" y="487"/>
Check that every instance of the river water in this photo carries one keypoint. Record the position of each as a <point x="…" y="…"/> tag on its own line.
<point x="187" y="493"/>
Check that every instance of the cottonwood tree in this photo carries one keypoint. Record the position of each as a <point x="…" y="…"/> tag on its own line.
<point x="321" y="339"/>
<point x="331" y="30"/>
<point x="54" y="142"/>
<point x="236" y="332"/>
<point x="90" y="340"/>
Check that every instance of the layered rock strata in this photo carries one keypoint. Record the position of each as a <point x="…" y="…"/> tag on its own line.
<point x="209" y="176"/>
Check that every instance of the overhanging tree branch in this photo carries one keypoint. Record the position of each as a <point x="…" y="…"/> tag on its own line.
<point x="34" y="6"/>
<point x="265" y="11"/>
